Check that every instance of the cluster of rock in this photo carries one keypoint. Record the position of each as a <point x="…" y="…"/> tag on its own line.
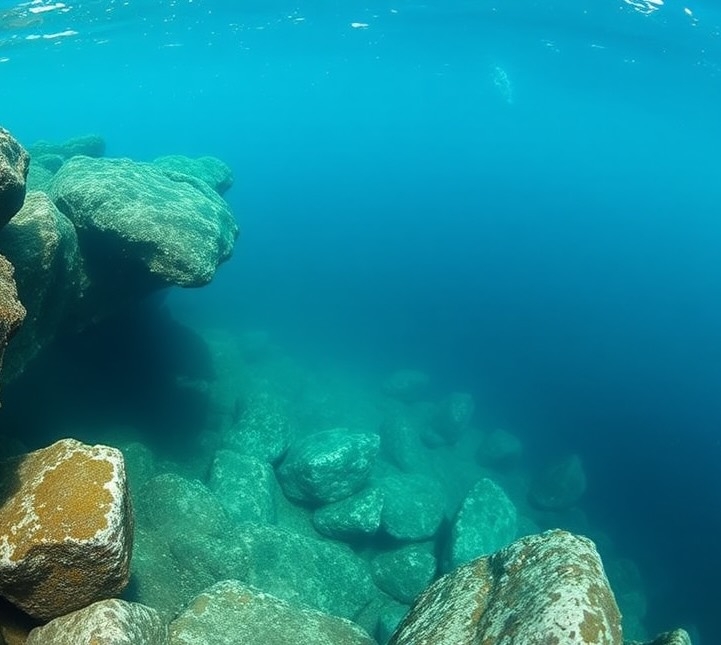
<point x="301" y="519"/>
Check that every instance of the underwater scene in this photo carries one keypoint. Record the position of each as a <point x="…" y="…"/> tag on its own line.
<point x="347" y="322"/>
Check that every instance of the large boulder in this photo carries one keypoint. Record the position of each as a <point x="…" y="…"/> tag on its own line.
<point x="352" y="518"/>
<point x="233" y="612"/>
<point x="14" y="165"/>
<point x="111" y="622"/>
<point x="143" y="225"/>
<point x="487" y="521"/>
<point x="405" y="572"/>
<point x="66" y="528"/>
<point x="559" y="486"/>
<point x="212" y="171"/>
<point x="413" y="507"/>
<point x="43" y="247"/>
<point x="547" y="588"/>
<point x="89" y="145"/>
<point x="328" y="466"/>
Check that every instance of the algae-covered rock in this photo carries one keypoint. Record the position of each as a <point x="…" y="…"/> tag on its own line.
<point x="487" y="521"/>
<point x="676" y="637"/>
<point x="14" y="165"/>
<point x="548" y="588"/>
<point x="212" y="171"/>
<point x="328" y="466"/>
<point x="233" y="612"/>
<point x="89" y="145"/>
<point x="451" y="419"/>
<point x="141" y="224"/>
<point x="244" y="485"/>
<point x="405" y="572"/>
<point x="352" y="518"/>
<point x="559" y="486"/>
<point x="413" y="507"/>
<point x="66" y="528"/>
<point x="43" y="246"/>
<point x="499" y="449"/>
<point x="12" y="313"/>
<point x="111" y="622"/>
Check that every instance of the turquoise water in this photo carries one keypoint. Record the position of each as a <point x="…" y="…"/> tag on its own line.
<point x="520" y="198"/>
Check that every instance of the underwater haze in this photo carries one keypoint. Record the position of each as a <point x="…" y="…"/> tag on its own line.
<point x="522" y="199"/>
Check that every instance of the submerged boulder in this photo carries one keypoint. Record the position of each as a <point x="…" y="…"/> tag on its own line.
<point x="14" y="166"/>
<point x="89" y="145"/>
<point x="141" y="224"/>
<point x="413" y="507"/>
<point x="12" y="313"/>
<point x="214" y="172"/>
<point x="559" y="486"/>
<point x="352" y="518"/>
<point x="233" y="612"/>
<point x="547" y="588"/>
<point x="115" y="622"/>
<point x="66" y="528"/>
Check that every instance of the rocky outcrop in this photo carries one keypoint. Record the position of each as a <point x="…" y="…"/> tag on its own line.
<point x="115" y="622"/>
<point x="12" y="313"/>
<point x="548" y="588"/>
<point x="355" y="517"/>
<point x="328" y="466"/>
<point x="212" y="171"/>
<point x="14" y="165"/>
<point x="43" y="246"/>
<point x="88" y="145"/>
<point x="413" y="507"/>
<point x="676" y="637"/>
<point x="405" y="572"/>
<point x="67" y="528"/>
<point x="143" y="225"/>
<point x="233" y="612"/>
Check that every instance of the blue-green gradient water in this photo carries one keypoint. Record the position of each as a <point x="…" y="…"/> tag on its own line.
<point x="523" y="198"/>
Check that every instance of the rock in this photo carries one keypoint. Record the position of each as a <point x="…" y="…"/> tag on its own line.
<point x="14" y="166"/>
<point x="388" y="621"/>
<point x="547" y="588"/>
<point x="451" y="419"/>
<point x="560" y="486"/>
<point x="413" y="508"/>
<point x="676" y="637"/>
<point x="12" y="313"/>
<point x="67" y="528"/>
<point x="43" y="246"/>
<point x="407" y="386"/>
<point x="14" y="624"/>
<point x="401" y="441"/>
<point x="486" y="522"/>
<point x="328" y="466"/>
<point x="245" y="487"/>
<point x="499" y="449"/>
<point x="324" y="575"/>
<point x="353" y="518"/>
<point x="174" y="505"/>
<point x="110" y="622"/>
<point x="89" y="145"/>
<point x="233" y="612"/>
<point x="212" y="171"/>
<point x="405" y="572"/>
<point x="263" y="428"/>
<point x="139" y="225"/>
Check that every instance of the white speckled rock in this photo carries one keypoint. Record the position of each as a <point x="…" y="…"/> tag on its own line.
<point x="676" y="637"/>
<point x="547" y="588"/>
<point x="107" y="622"/>
<point x="67" y="525"/>
<point x="231" y="613"/>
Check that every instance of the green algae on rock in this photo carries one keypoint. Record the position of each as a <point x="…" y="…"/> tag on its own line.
<point x="135" y="219"/>
<point x="14" y="166"/>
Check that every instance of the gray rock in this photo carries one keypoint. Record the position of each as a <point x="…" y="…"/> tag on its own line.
<point x="244" y="485"/>
<point x="43" y="246"/>
<point x="110" y="622"/>
<point x="559" y="486"/>
<point x="212" y="171"/>
<point x="152" y="227"/>
<point x="548" y="588"/>
<point x="324" y="575"/>
<point x="352" y="518"/>
<point x="231" y="612"/>
<point x="14" y="166"/>
<point x="486" y="522"/>
<point x="263" y="428"/>
<point x="499" y="449"/>
<point x="328" y="466"/>
<point x="406" y="385"/>
<point x="413" y="507"/>
<point x="405" y="572"/>
<point x="89" y="145"/>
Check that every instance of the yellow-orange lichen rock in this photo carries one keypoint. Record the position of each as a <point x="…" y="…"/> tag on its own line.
<point x="66" y="528"/>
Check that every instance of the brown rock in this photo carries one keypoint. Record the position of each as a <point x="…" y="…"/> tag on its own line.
<point x="12" y="313"/>
<point x="107" y="622"/>
<point x="66" y="528"/>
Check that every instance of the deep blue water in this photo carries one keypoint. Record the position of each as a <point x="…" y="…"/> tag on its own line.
<point x="550" y="243"/>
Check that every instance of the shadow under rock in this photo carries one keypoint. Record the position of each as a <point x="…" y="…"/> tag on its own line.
<point x="141" y="369"/>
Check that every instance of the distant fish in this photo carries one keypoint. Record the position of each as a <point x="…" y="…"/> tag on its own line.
<point x="503" y="83"/>
<point x="359" y="25"/>
<point x="18" y="19"/>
